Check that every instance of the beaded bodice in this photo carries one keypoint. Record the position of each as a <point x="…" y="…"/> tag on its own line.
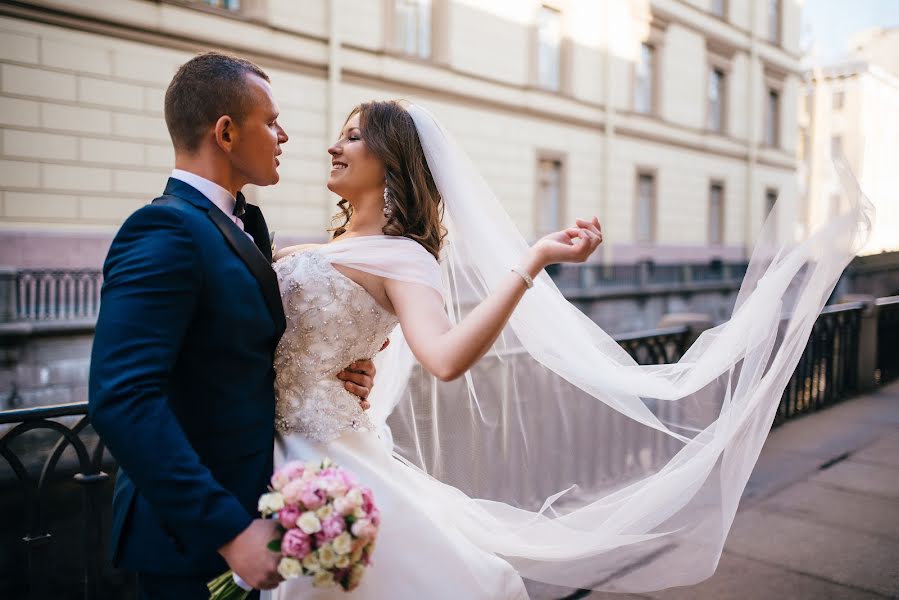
<point x="331" y="322"/>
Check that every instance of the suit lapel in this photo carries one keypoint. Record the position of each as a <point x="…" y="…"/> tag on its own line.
<point x="252" y="256"/>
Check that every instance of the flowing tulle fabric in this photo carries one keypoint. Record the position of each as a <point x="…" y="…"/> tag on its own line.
<point x="576" y="465"/>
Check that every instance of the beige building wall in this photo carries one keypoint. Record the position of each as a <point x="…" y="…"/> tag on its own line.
<point x="84" y="142"/>
<point x="857" y="104"/>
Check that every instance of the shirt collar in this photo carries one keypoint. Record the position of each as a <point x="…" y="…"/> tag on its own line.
<point x="216" y="194"/>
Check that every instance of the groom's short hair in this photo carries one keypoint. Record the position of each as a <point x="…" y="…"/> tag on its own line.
<point x="205" y="88"/>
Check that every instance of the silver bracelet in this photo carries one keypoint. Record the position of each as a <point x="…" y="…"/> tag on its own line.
<point x="528" y="281"/>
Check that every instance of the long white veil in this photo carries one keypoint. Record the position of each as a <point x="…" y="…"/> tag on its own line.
<point x="578" y="466"/>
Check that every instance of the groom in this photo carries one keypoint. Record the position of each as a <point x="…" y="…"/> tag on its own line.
<point x="181" y="379"/>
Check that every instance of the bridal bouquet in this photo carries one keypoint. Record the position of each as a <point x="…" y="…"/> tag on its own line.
<point x="328" y="523"/>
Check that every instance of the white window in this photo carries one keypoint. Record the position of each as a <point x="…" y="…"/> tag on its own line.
<point x="770" y="200"/>
<point x="645" y="230"/>
<point x="838" y="98"/>
<point x="644" y="80"/>
<point x="413" y="27"/>
<point x="836" y="146"/>
<point x="718" y="7"/>
<point x="716" y="213"/>
<point x="774" y="21"/>
<point x="225" y="4"/>
<point x="549" y="196"/>
<point x="772" y="118"/>
<point x="716" y="99"/>
<point x="549" y="48"/>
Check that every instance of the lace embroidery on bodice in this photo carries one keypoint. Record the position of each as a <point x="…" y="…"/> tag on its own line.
<point x="331" y="322"/>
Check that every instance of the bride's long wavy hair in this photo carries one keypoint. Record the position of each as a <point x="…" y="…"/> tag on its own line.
<point x="390" y="134"/>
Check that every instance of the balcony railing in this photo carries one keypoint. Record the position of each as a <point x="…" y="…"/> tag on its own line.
<point x="57" y="488"/>
<point x="56" y="295"/>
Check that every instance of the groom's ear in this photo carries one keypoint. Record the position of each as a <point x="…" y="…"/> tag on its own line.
<point x="225" y="133"/>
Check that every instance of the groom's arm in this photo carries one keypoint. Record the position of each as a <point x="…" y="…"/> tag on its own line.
<point x="152" y="282"/>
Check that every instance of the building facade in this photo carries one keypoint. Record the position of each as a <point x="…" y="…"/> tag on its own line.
<point x="851" y="109"/>
<point x="673" y="120"/>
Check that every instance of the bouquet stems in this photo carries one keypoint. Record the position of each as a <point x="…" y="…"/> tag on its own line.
<point x="224" y="587"/>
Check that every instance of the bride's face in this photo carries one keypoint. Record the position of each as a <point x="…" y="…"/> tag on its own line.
<point x="355" y="171"/>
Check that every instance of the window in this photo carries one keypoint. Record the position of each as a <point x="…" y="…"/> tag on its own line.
<point x="549" y="196"/>
<point x="838" y="100"/>
<point x="644" y="80"/>
<point x="770" y="200"/>
<point x="716" y="213"/>
<point x="719" y="8"/>
<point x="646" y="210"/>
<point x="774" y="21"/>
<point x="232" y="5"/>
<point x="413" y="27"/>
<point x="772" y="118"/>
<point x="549" y="48"/>
<point x="836" y="146"/>
<point x="716" y="99"/>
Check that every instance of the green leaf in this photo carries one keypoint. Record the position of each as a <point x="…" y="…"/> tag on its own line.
<point x="274" y="545"/>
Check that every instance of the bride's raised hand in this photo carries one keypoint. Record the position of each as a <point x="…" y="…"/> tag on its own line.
<point x="572" y="245"/>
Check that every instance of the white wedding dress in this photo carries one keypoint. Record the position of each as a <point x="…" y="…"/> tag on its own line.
<point x="331" y="322"/>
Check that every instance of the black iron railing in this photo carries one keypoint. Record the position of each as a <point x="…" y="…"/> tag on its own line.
<point x="52" y="544"/>
<point x="656" y="347"/>
<point x="828" y="369"/>
<point x="887" y="339"/>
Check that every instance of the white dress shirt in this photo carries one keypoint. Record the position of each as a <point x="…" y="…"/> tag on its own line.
<point x="216" y="194"/>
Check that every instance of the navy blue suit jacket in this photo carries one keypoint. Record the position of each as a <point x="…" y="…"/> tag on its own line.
<point x="181" y="380"/>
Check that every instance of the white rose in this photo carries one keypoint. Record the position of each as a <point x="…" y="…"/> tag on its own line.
<point x="324" y="512"/>
<point x="326" y="556"/>
<point x="356" y="575"/>
<point x="323" y="579"/>
<point x="343" y="506"/>
<point x="342" y="561"/>
<point x="355" y="496"/>
<point x="310" y="562"/>
<point x="309" y="523"/>
<point x="356" y="556"/>
<point x="359" y="527"/>
<point x="270" y="503"/>
<point x="289" y="568"/>
<point x="343" y="543"/>
<point x="359" y="513"/>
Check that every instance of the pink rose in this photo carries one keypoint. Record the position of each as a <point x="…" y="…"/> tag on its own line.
<point x="296" y="544"/>
<point x="293" y="491"/>
<point x="288" y="516"/>
<point x="364" y="530"/>
<point x="348" y="478"/>
<point x="368" y="501"/>
<point x="332" y="527"/>
<point x="312" y="496"/>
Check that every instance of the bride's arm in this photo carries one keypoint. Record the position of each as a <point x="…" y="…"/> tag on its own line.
<point x="447" y="351"/>
<point x="291" y="250"/>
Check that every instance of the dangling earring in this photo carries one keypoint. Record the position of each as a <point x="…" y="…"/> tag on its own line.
<point x="388" y="201"/>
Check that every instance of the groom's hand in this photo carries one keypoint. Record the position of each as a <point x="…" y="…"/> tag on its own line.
<point x="249" y="557"/>
<point x="358" y="379"/>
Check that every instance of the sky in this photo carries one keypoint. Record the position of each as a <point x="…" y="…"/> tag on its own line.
<point x="828" y="25"/>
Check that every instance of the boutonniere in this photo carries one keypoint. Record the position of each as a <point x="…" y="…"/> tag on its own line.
<point x="271" y="238"/>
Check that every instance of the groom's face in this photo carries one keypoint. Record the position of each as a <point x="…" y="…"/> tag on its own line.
<point x="259" y="136"/>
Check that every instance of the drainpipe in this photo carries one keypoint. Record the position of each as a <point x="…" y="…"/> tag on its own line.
<point x="752" y="141"/>
<point x="334" y="70"/>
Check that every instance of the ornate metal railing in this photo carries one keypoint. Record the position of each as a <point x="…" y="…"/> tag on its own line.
<point x="887" y="339"/>
<point x="656" y="347"/>
<point x="48" y="484"/>
<point x="56" y="295"/>
<point x="828" y="369"/>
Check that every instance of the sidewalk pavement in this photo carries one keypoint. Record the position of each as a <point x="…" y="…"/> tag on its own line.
<point x="820" y="515"/>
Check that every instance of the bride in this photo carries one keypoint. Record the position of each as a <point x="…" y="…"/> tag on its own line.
<point x="555" y="457"/>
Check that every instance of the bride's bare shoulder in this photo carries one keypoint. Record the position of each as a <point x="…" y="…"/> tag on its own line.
<point x="289" y="250"/>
